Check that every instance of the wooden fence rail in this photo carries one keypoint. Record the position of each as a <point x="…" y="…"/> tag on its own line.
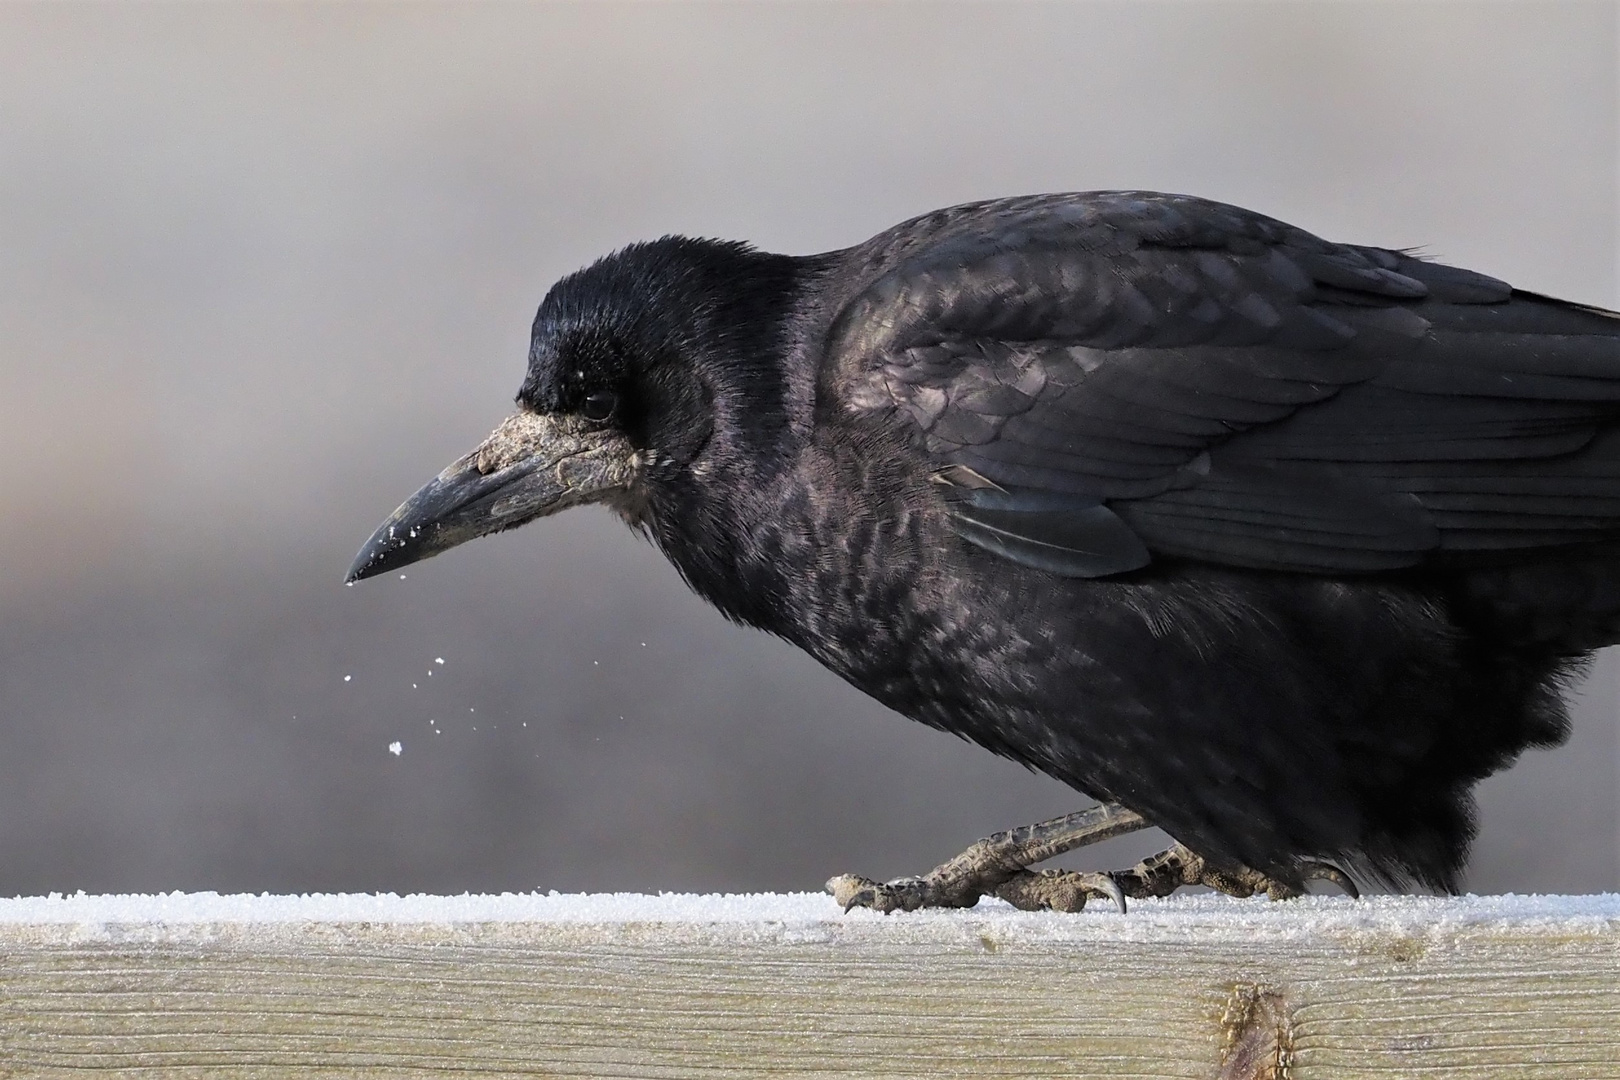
<point x="720" y="987"/>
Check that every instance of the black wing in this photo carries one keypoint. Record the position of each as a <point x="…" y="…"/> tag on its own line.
<point x="1102" y="377"/>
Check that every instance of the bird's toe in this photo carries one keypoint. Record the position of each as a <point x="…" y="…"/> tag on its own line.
<point x="852" y="891"/>
<point x="1060" y="890"/>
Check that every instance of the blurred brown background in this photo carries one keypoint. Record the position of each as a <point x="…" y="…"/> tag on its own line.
<point x="264" y="269"/>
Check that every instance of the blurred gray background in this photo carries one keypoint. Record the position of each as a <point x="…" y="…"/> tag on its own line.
<point x="265" y="269"/>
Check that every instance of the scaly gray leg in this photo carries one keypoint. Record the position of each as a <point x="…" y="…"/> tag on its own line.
<point x="998" y="865"/>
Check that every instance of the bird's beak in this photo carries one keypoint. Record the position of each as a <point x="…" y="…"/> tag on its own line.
<point x="529" y="467"/>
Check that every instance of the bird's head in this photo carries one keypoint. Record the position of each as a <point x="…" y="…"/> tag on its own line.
<point x="635" y="363"/>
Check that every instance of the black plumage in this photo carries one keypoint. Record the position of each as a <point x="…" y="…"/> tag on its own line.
<point x="1280" y="543"/>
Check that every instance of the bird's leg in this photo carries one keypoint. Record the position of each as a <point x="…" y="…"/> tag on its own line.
<point x="1000" y="862"/>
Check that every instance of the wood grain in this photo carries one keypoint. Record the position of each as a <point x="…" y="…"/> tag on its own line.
<point x="1240" y="990"/>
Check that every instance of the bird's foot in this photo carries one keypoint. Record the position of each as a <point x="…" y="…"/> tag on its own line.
<point x="999" y="865"/>
<point x="1169" y="870"/>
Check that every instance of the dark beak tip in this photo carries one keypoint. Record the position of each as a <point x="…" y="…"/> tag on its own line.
<point x="366" y="564"/>
<point x="385" y="550"/>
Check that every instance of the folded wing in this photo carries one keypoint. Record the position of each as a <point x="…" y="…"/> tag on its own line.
<point x="1102" y="379"/>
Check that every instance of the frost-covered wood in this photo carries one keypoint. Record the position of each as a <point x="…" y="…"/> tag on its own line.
<point x="761" y="986"/>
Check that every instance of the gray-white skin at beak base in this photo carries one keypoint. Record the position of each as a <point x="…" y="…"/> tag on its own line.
<point x="530" y="466"/>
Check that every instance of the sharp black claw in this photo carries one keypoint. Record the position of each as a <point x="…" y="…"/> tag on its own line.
<point x="1321" y="871"/>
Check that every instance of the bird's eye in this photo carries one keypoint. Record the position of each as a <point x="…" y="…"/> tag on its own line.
<point x="599" y="405"/>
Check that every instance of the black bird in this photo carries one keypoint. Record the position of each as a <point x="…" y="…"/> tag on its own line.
<point x="1275" y="543"/>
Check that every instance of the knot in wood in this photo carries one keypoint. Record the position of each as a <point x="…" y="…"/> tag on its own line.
<point x="1257" y="1035"/>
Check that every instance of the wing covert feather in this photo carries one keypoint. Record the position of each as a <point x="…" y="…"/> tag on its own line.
<point x="1222" y="386"/>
